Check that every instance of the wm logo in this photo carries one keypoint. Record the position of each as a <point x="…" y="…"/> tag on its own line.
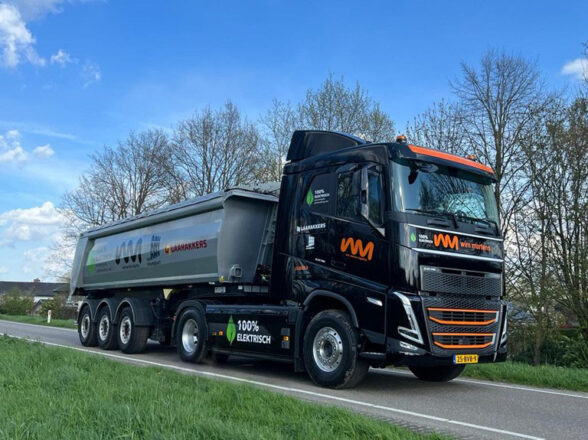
<point x="446" y="240"/>
<point x="357" y="249"/>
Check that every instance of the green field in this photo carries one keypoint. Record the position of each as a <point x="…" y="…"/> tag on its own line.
<point x="31" y="319"/>
<point x="56" y="393"/>
<point x="542" y="376"/>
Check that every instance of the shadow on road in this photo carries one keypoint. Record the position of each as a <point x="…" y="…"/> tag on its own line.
<point x="378" y="380"/>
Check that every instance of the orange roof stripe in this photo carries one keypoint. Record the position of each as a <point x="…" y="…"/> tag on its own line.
<point x="451" y="157"/>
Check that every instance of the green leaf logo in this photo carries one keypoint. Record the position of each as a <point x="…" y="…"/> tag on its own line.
<point x="231" y="330"/>
<point x="413" y="237"/>
<point x="309" y="198"/>
<point x="91" y="262"/>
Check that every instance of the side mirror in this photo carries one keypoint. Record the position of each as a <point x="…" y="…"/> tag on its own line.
<point x="364" y="200"/>
<point x="365" y="207"/>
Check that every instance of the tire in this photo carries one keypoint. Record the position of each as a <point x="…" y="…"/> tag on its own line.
<point x="437" y="374"/>
<point x="192" y="335"/>
<point x="87" y="329"/>
<point x="331" y="348"/>
<point x="131" y="338"/>
<point x="106" y="330"/>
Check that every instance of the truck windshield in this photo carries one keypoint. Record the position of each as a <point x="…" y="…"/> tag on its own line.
<point x="444" y="191"/>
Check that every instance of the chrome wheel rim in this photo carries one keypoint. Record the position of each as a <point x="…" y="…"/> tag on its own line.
<point x="85" y="326"/>
<point x="125" y="330"/>
<point x="190" y="335"/>
<point x="327" y="349"/>
<point x="104" y="327"/>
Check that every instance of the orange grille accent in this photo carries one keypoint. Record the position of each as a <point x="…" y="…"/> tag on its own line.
<point x="463" y="316"/>
<point x="477" y="340"/>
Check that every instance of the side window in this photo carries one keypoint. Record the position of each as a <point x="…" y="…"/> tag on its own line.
<point x="319" y="196"/>
<point x="348" y="195"/>
<point x="376" y="197"/>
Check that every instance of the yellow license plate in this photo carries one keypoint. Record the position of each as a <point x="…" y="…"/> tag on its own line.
<point x="465" y="358"/>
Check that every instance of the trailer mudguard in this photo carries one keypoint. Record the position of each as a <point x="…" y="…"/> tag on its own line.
<point x="112" y="304"/>
<point x="141" y="309"/>
<point x="93" y="304"/>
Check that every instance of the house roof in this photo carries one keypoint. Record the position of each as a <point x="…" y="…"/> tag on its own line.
<point x="34" y="288"/>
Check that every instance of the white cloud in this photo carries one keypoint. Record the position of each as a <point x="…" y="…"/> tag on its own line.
<point x="12" y="151"/>
<point x="35" y="9"/>
<point x="3" y="269"/>
<point x="17" y="44"/>
<point x="44" y="151"/>
<point x="34" y="259"/>
<point x="16" y="41"/>
<point x="91" y="73"/>
<point x="577" y="68"/>
<point x="61" y="57"/>
<point x="40" y="223"/>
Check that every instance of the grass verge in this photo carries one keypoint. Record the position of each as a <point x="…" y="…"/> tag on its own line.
<point x="30" y="319"/>
<point x="52" y="393"/>
<point x="575" y="379"/>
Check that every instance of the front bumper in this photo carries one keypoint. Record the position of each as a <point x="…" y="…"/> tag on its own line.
<point x="399" y="354"/>
<point x="425" y="330"/>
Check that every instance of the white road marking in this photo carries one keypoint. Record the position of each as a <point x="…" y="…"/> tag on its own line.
<point x="490" y="384"/>
<point x="289" y="389"/>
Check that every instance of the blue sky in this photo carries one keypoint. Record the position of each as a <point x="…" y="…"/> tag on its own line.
<point x="79" y="74"/>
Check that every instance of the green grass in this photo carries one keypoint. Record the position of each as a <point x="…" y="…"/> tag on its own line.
<point x="541" y="376"/>
<point x="30" y="319"/>
<point x="56" y="393"/>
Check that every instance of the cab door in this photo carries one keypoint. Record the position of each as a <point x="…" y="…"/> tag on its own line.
<point x="340" y="240"/>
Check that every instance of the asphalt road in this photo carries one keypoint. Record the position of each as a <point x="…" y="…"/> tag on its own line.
<point x="463" y="408"/>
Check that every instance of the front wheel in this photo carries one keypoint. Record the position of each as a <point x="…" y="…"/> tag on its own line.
<point x="437" y="374"/>
<point x="331" y="348"/>
<point x="191" y="335"/>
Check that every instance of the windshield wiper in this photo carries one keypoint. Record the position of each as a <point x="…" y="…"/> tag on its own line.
<point x="435" y="213"/>
<point x="487" y="222"/>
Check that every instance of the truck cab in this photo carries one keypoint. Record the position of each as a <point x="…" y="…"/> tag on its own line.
<point x="405" y="240"/>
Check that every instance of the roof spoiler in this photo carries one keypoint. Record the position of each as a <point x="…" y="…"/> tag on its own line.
<point x="307" y="143"/>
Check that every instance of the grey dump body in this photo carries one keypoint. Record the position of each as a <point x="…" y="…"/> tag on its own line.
<point x="222" y="237"/>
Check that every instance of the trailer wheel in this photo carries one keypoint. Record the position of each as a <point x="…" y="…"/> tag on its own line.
<point x="331" y="347"/>
<point x="131" y="338"/>
<point x="437" y="374"/>
<point x="191" y="335"/>
<point x="86" y="328"/>
<point x="106" y="332"/>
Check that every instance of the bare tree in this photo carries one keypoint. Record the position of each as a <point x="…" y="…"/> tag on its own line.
<point x="568" y="209"/>
<point x="277" y="126"/>
<point x="333" y="106"/>
<point x="123" y="181"/>
<point x="440" y="127"/>
<point x="336" y="107"/>
<point x="215" y="150"/>
<point x="134" y="177"/>
<point x="499" y="101"/>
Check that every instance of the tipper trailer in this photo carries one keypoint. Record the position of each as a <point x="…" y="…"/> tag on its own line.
<point x="366" y="254"/>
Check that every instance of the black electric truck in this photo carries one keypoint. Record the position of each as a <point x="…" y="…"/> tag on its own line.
<point x="366" y="254"/>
